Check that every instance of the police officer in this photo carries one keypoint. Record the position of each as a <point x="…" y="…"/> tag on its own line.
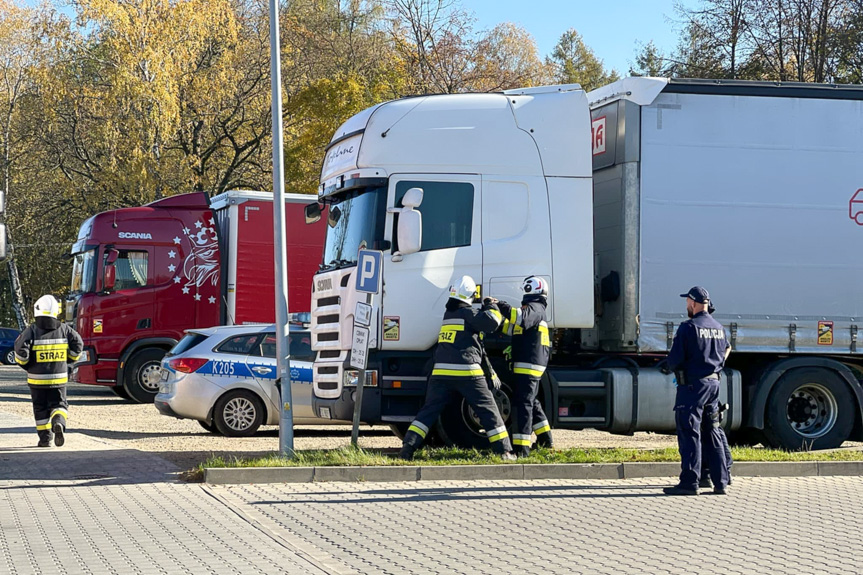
<point x="697" y="356"/>
<point x="45" y="349"/>
<point x="531" y="346"/>
<point x="705" y="434"/>
<point x="457" y="370"/>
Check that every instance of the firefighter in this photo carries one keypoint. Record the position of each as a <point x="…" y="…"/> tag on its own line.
<point x="698" y="355"/>
<point x="44" y="350"/>
<point x="531" y="346"/>
<point x="457" y="371"/>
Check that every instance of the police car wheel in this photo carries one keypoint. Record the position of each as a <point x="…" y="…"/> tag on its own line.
<point x="238" y="413"/>
<point x="809" y="408"/>
<point x="142" y="374"/>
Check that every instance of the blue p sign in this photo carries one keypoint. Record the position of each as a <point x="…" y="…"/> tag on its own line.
<point x="369" y="271"/>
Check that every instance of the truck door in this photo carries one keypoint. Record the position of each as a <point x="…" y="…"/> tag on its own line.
<point x="516" y="238"/>
<point x="416" y="287"/>
<point x="126" y="313"/>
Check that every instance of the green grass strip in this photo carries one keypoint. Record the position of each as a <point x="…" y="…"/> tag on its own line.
<point x="348" y="456"/>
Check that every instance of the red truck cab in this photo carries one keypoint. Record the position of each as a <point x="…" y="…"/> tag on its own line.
<point x="143" y="275"/>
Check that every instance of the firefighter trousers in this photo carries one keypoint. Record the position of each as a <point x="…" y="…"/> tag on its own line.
<point x="477" y="394"/>
<point x="529" y="416"/>
<point x="48" y="403"/>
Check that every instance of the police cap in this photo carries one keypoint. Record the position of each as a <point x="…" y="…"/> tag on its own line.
<point x="697" y="293"/>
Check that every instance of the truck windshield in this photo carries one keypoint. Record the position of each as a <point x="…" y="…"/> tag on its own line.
<point x="354" y="221"/>
<point x="84" y="272"/>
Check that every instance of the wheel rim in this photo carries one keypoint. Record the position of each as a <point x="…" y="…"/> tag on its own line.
<point x="812" y="410"/>
<point x="504" y="407"/>
<point x="10" y="357"/>
<point x="150" y="376"/>
<point x="239" y="413"/>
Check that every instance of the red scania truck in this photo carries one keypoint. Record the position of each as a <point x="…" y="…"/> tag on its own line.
<point x="143" y="275"/>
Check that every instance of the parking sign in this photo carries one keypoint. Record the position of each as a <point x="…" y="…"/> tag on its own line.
<point x="369" y="264"/>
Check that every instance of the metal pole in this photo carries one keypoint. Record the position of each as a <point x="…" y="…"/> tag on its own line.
<point x="283" y="359"/>
<point x="358" y="401"/>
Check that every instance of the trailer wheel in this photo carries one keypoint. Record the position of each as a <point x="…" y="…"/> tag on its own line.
<point x="238" y="413"/>
<point x="143" y="373"/>
<point x="458" y="424"/>
<point x="809" y="408"/>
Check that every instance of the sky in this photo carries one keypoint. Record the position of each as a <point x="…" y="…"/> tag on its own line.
<point x="614" y="30"/>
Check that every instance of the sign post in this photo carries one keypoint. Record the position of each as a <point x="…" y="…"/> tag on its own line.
<point x="369" y="263"/>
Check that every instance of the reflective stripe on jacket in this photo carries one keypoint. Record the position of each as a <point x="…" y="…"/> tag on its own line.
<point x="531" y="342"/>
<point x="45" y="349"/>
<point x="458" y="354"/>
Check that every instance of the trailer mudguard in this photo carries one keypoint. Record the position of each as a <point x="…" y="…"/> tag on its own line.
<point x="758" y="405"/>
<point x="163" y="342"/>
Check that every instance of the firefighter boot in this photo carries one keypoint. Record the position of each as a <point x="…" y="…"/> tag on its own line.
<point x="522" y="451"/>
<point x="44" y="438"/>
<point x="545" y="440"/>
<point x="59" y="430"/>
<point x="411" y="443"/>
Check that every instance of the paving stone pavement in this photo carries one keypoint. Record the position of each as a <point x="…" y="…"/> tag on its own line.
<point x="92" y="508"/>
<point x="767" y="525"/>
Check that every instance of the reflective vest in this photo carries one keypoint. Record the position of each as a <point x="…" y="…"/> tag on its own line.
<point x="458" y="354"/>
<point x="531" y="343"/>
<point x="45" y="349"/>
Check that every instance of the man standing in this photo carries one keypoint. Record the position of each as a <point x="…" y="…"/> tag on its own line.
<point x="531" y="346"/>
<point x="44" y="349"/>
<point x="457" y="371"/>
<point x="697" y="356"/>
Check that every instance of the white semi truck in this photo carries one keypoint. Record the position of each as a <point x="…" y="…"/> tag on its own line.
<point x="621" y="199"/>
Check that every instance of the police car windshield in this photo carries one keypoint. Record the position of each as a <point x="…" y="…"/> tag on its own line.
<point x="84" y="272"/>
<point x="355" y="220"/>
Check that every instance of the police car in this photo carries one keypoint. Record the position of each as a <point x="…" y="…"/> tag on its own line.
<point x="224" y="377"/>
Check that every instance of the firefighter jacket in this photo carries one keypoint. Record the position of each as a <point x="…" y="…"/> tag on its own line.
<point x="531" y="344"/>
<point x="458" y="353"/>
<point x="44" y="349"/>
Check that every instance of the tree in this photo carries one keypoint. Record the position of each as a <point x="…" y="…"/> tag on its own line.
<point x="649" y="62"/>
<point x="573" y="62"/>
<point x="506" y="57"/>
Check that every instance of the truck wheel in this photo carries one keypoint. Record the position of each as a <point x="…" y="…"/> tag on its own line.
<point x="809" y="408"/>
<point x="458" y="424"/>
<point x="143" y="373"/>
<point x="745" y="437"/>
<point x="120" y="391"/>
<point x="238" y="413"/>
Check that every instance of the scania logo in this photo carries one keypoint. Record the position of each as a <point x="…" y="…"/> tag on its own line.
<point x="135" y="236"/>
<point x="325" y="284"/>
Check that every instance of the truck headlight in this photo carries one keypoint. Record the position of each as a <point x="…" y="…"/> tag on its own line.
<point x="352" y="376"/>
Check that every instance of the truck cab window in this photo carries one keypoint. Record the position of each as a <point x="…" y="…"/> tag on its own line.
<point x="447" y="211"/>
<point x="131" y="270"/>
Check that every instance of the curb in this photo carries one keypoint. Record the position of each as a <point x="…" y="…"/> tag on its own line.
<point x="247" y="475"/>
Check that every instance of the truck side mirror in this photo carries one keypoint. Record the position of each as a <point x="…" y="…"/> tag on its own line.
<point x="109" y="279"/>
<point x="313" y="213"/>
<point x="410" y="226"/>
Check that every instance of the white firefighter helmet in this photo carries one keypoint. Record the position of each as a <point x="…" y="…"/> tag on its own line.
<point x="47" y="306"/>
<point x="464" y="290"/>
<point x="534" y="286"/>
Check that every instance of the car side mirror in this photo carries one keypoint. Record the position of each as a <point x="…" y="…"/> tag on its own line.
<point x="313" y="213"/>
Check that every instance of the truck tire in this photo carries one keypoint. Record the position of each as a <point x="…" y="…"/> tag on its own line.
<point x="142" y="374"/>
<point x="238" y="413"/>
<point x="121" y="392"/>
<point x="809" y="408"/>
<point x="458" y="425"/>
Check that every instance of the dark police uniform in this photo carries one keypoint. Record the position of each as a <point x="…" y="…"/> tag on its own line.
<point x="531" y="347"/>
<point x="698" y="354"/>
<point x="457" y="371"/>
<point x="44" y="350"/>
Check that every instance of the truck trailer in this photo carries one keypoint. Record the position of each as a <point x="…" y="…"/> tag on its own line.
<point x="143" y="275"/>
<point x="621" y="199"/>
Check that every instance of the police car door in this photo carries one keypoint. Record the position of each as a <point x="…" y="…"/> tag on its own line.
<point x="416" y="285"/>
<point x="261" y="364"/>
